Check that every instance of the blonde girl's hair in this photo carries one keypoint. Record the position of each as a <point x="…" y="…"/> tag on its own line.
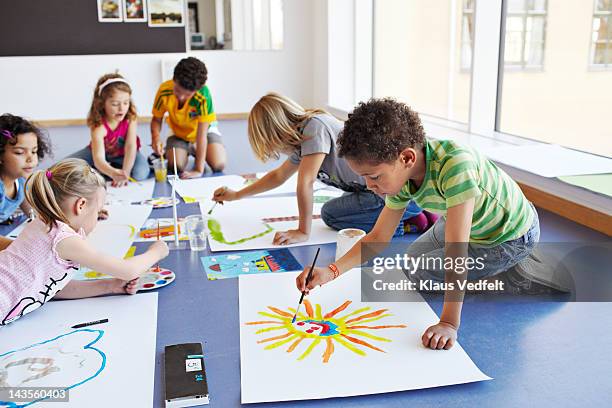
<point x="96" y="111"/>
<point x="273" y="125"/>
<point x="46" y="190"/>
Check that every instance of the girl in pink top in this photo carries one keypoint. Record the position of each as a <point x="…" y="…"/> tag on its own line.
<point x="112" y="119"/>
<point x="41" y="261"/>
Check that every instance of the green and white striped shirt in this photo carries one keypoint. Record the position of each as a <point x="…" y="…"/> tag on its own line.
<point x="456" y="173"/>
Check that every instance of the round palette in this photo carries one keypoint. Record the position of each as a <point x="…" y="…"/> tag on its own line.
<point x="160" y="202"/>
<point x="155" y="279"/>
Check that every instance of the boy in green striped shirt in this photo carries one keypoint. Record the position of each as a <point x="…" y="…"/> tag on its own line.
<point x="485" y="213"/>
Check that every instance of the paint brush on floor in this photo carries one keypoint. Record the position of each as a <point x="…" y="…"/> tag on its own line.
<point x="307" y="280"/>
<point x="216" y="202"/>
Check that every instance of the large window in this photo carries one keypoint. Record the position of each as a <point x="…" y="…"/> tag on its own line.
<point x="418" y="56"/>
<point x="567" y="102"/>
<point x="601" y="42"/>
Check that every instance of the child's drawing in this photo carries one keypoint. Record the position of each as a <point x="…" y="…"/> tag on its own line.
<point x="64" y="362"/>
<point x="216" y="233"/>
<point x="350" y="330"/>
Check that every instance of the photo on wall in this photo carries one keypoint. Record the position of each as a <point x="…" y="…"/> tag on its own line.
<point x="109" y="11"/>
<point x="135" y="11"/>
<point x="166" y="13"/>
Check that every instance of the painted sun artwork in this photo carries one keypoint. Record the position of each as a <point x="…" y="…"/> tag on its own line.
<point x="339" y="327"/>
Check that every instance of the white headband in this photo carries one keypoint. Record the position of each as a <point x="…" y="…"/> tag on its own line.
<point x="110" y="81"/>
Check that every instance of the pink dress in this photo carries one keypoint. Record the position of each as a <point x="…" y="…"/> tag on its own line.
<point x="114" y="141"/>
<point x="31" y="271"/>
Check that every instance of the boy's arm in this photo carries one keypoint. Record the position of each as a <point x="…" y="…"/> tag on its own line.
<point x="80" y="251"/>
<point x="383" y="231"/>
<point x="307" y="174"/>
<point x="156" y="126"/>
<point x="131" y="146"/>
<point x="201" y="145"/>
<point x="456" y="235"/>
<point x="78" y="289"/>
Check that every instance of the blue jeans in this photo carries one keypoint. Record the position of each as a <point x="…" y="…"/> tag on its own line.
<point x="498" y="258"/>
<point x="140" y="171"/>
<point x="360" y="210"/>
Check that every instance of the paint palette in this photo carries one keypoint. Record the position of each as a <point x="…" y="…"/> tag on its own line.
<point x="155" y="279"/>
<point x="160" y="202"/>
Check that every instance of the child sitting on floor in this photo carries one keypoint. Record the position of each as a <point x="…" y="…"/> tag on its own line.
<point x="114" y="147"/>
<point x="22" y="145"/>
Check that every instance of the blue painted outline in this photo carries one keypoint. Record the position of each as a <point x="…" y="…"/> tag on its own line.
<point x="9" y="404"/>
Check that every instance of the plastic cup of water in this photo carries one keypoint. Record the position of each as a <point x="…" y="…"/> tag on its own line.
<point x="196" y="231"/>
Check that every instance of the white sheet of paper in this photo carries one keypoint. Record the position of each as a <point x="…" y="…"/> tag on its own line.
<point x="238" y="228"/>
<point x="289" y="186"/>
<point x="117" y="369"/>
<point x="132" y="193"/>
<point x="203" y="188"/>
<point x="404" y="364"/>
<point x="549" y="160"/>
<point x="257" y="208"/>
<point x="115" y="235"/>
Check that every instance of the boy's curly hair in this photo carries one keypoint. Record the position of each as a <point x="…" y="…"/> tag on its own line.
<point x="190" y="73"/>
<point x="378" y="130"/>
<point x="12" y="126"/>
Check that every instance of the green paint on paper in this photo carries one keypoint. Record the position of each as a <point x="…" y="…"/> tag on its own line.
<point x="215" y="232"/>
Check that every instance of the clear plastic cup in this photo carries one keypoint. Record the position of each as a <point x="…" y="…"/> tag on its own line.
<point x="197" y="230"/>
<point x="161" y="170"/>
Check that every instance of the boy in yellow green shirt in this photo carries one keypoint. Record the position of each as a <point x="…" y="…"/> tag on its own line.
<point x="191" y="117"/>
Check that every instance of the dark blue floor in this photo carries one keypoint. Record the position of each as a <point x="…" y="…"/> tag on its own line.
<point x="539" y="354"/>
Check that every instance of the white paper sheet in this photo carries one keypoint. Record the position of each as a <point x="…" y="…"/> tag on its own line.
<point x="256" y="234"/>
<point x="107" y="365"/>
<point x="549" y="160"/>
<point x="257" y="208"/>
<point x="132" y="193"/>
<point x="115" y="235"/>
<point x="203" y="188"/>
<point x="277" y="374"/>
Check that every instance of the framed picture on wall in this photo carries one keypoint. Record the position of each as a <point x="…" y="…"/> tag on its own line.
<point x="134" y="11"/>
<point x="166" y="13"/>
<point x="109" y="11"/>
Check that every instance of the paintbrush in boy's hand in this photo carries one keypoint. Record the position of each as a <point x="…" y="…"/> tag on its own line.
<point x="216" y="202"/>
<point x="307" y="280"/>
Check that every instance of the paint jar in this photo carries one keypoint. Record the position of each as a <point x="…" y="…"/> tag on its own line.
<point x="196" y="231"/>
<point x="346" y="239"/>
<point x="161" y="170"/>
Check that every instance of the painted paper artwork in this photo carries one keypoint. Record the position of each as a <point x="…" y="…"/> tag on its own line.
<point x="239" y="263"/>
<point x="338" y="346"/>
<point x="166" y="13"/>
<point x="109" y="11"/>
<point x="107" y="365"/>
<point x="242" y="233"/>
<point x="133" y="193"/>
<point x="332" y="329"/>
<point x="135" y="11"/>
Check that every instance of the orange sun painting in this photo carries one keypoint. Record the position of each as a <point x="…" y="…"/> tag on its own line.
<point x="349" y="330"/>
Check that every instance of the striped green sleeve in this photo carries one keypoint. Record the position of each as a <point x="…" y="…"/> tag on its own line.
<point x="398" y="201"/>
<point x="459" y="179"/>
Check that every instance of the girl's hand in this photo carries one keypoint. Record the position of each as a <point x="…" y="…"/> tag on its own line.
<point x="440" y="336"/>
<point x="159" y="248"/>
<point x="320" y="276"/>
<point x="289" y="237"/>
<point x="120" y="178"/>
<point x="122" y="287"/>
<point x="224" y="194"/>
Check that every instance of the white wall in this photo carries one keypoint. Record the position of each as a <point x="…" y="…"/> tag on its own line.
<point x="61" y="87"/>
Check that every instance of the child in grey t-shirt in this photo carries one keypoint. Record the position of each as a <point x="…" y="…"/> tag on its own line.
<point x="277" y="125"/>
